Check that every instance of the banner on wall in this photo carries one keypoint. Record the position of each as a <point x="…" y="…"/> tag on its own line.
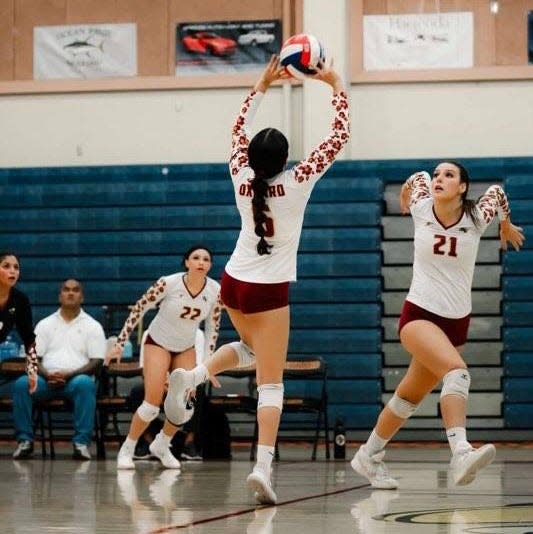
<point x="84" y="51"/>
<point x="530" y="37"/>
<point x="226" y="46"/>
<point x="421" y="41"/>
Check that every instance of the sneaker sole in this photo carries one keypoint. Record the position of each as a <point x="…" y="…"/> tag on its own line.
<point x="489" y="452"/>
<point x="358" y="468"/>
<point x="175" y="408"/>
<point x="263" y="493"/>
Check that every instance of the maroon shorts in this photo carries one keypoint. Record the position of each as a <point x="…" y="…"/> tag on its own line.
<point x="149" y="341"/>
<point x="455" y="329"/>
<point x="250" y="297"/>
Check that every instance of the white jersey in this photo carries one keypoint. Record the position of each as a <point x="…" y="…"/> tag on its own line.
<point x="180" y="314"/>
<point x="445" y="257"/>
<point x="287" y="197"/>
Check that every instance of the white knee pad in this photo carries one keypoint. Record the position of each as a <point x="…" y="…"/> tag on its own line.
<point x="456" y="382"/>
<point x="147" y="412"/>
<point x="244" y="352"/>
<point x="270" y="395"/>
<point x="401" y="407"/>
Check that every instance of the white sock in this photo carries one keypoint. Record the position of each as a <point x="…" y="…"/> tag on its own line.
<point x="456" y="436"/>
<point x="201" y="374"/>
<point x="265" y="454"/>
<point x="375" y="444"/>
<point x="164" y="438"/>
<point x="129" y="444"/>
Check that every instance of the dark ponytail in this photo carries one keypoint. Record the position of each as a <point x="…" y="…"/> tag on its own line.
<point x="469" y="204"/>
<point x="267" y="155"/>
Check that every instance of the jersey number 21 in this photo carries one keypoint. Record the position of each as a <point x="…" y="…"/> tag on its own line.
<point x="445" y="245"/>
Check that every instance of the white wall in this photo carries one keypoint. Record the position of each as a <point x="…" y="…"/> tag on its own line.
<point x="442" y="120"/>
<point x="388" y="121"/>
<point x="426" y="120"/>
<point x="120" y="128"/>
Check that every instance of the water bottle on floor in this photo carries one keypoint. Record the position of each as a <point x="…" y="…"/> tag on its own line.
<point x="339" y="442"/>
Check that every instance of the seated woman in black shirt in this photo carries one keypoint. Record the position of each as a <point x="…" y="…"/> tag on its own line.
<point x="15" y="310"/>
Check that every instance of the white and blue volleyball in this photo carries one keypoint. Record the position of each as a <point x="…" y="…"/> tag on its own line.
<point x="300" y="54"/>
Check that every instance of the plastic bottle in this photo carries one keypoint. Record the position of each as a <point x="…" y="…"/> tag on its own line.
<point x="128" y="350"/>
<point x="11" y="348"/>
<point x="339" y="441"/>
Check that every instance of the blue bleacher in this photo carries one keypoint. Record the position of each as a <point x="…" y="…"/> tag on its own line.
<point x="517" y="308"/>
<point x="517" y="313"/>
<point x="518" y="363"/>
<point x="119" y="228"/>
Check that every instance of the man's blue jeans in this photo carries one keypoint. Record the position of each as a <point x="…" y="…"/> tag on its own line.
<point x="80" y="390"/>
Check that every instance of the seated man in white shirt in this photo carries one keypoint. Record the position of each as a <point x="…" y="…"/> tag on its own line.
<point x="71" y="344"/>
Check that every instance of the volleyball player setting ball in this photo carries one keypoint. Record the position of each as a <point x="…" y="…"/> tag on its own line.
<point x="255" y="284"/>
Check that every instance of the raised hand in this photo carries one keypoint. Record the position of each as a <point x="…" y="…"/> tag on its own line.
<point x="326" y="73"/>
<point x="405" y="198"/>
<point x="273" y="72"/>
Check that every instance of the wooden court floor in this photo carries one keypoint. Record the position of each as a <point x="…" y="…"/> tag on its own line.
<point x="65" y="496"/>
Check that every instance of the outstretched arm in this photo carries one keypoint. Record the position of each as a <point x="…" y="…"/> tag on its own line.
<point x="415" y="188"/>
<point x="323" y="155"/>
<point x="149" y="299"/>
<point x="241" y="133"/>
<point x="494" y="202"/>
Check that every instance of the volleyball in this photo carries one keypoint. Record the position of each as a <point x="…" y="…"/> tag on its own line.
<point x="300" y="54"/>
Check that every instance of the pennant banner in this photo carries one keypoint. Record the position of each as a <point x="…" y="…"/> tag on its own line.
<point x="423" y="41"/>
<point x="84" y="51"/>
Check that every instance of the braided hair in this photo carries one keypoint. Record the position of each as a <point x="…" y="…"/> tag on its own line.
<point x="267" y="155"/>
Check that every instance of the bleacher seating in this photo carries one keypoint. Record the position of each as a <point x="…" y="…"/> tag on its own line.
<point x="119" y="228"/>
<point x="517" y="309"/>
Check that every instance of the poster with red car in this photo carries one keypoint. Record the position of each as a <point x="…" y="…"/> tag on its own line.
<point x="226" y="46"/>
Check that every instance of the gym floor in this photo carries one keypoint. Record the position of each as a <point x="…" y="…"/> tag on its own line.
<point x="63" y="495"/>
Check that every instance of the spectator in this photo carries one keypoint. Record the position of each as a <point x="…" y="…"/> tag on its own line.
<point x="71" y="344"/>
<point x="15" y="311"/>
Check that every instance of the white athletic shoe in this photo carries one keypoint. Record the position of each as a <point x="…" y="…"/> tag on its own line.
<point x="373" y="468"/>
<point x="162" y="451"/>
<point x="125" y="457"/>
<point x="259" y="482"/>
<point x="466" y="462"/>
<point x="178" y="409"/>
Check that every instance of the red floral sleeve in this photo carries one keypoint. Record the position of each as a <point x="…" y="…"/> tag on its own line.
<point x="493" y="202"/>
<point x="32" y="366"/>
<point x="419" y="182"/>
<point x="153" y="295"/>
<point x="240" y="138"/>
<point x="212" y="326"/>
<point x="322" y="156"/>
